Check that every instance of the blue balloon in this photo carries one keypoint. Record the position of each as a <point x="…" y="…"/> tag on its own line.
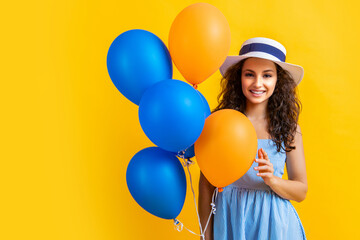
<point x="136" y="60"/>
<point x="190" y="152"/>
<point x="171" y="115"/>
<point x="157" y="181"/>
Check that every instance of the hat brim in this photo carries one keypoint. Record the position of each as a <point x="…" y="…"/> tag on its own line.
<point x="296" y="71"/>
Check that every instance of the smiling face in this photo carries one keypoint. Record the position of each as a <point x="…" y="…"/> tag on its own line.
<point x="258" y="79"/>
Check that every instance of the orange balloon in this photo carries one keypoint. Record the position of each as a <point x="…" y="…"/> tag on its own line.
<point x="199" y="41"/>
<point x="226" y="147"/>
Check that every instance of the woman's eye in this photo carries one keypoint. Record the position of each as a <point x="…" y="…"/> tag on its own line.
<point x="248" y="74"/>
<point x="267" y="75"/>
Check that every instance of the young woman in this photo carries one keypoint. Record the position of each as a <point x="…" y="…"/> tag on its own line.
<point x="261" y="85"/>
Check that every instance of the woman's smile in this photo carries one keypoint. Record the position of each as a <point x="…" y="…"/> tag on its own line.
<point x="257" y="93"/>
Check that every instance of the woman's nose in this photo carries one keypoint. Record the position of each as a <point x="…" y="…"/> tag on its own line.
<point x="258" y="81"/>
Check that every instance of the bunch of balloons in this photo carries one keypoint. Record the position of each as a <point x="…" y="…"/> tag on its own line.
<point x="172" y="113"/>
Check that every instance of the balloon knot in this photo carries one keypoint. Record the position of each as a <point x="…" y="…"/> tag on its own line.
<point x="221" y="189"/>
<point x="181" y="154"/>
<point x="195" y="86"/>
<point x="178" y="225"/>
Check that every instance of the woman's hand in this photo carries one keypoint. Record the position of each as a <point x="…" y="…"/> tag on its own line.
<point x="265" y="167"/>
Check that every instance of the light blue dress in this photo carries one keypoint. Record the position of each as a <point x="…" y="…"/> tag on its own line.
<point x="249" y="210"/>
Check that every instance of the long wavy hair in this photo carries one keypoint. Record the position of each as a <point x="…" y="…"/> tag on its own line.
<point x="283" y="107"/>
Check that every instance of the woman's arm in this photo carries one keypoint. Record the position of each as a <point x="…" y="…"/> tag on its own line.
<point x="205" y="197"/>
<point x="296" y="187"/>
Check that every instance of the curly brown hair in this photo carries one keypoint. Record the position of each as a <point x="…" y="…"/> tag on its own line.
<point x="283" y="107"/>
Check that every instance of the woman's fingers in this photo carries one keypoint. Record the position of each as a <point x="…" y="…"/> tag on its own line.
<point x="264" y="154"/>
<point x="265" y="174"/>
<point x="264" y="167"/>
<point x="259" y="160"/>
<point x="260" y="155"/>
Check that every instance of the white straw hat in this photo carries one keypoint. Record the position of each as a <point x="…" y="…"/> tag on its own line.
<point x="265" y="48"/>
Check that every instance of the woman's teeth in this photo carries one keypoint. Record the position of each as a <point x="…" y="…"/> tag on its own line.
<point x="258" y="93"/>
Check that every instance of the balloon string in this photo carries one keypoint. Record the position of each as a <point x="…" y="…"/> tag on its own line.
<point x="178" y="225"/>
<point x="213" y="208"/>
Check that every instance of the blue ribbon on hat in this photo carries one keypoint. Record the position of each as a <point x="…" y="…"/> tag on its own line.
<point x="261" y="47"/>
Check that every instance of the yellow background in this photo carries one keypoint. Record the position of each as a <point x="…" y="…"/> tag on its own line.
<point x="67" y="134"/>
